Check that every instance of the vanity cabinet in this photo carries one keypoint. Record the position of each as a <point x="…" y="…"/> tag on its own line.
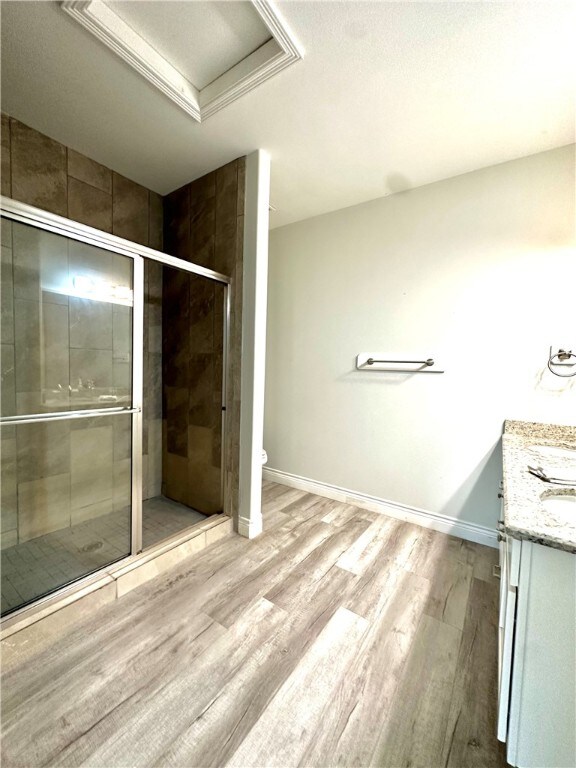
<point x="537" y="654"/>
<point x="509" y="572"/>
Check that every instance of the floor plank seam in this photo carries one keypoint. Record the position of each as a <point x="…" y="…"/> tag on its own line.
<point x="357" y="641"/>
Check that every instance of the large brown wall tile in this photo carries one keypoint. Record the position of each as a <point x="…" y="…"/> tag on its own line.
<point x="175" y="477"/>
<point x="90" y="172"/>
<point x="200" y="389"/>
<point x="27" y="345"/>
<point x="43" y="450"/>
<point x="227" y="197"/>
<point x="38" y="169"/>
<point x="177" y="420"/>
<point x="225" y="253"/>
<point x="226" y="214"/>
<point x="202" y="312"/>
<point x="204" y="224"/>
<point x="5" y="170"/>
<point x="50" y="176"/>
<point x="89" y="205"/>
<point x="216" y="459"/>
<point x="7" y="381"/>
<point x="175" y="327"/>
<point x="63" y="181"/>
<point x="177" y="223"/>
<point x="6" y="292"/>
<point x="130" y="213"/>
<point x="203" y="220"/>
<point x="155" y="222"/>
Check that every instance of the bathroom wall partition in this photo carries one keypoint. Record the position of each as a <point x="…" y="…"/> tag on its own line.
<point x="72" y="422"/>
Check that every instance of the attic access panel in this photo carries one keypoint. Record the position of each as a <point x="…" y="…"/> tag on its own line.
<point x="202" y="55"/>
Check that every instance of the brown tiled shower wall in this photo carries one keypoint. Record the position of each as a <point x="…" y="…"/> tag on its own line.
<point x="204" y="224"/>
<point x="48" y="465"/>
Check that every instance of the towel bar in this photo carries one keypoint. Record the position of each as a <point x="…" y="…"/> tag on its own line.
<point x="366" y="362"/>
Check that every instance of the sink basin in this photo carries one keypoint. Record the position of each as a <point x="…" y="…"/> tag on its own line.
<point x="562" y="506"/>
<point x="553" y="452"/>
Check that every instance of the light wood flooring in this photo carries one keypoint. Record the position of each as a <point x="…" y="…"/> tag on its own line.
<point x="337" y="638"/>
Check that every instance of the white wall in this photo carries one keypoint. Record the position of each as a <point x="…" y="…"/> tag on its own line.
<point x="478" y="272"/>
<point x="254" y="279"/>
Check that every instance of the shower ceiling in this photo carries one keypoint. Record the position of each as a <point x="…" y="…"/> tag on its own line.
<point x="388" y="96"/>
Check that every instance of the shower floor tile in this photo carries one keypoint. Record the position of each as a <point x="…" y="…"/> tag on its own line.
<point x="47" y="562"/>
<point x="162" y="518"/>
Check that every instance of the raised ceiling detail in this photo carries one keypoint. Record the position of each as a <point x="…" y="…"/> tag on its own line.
<point x="202" y="55"/>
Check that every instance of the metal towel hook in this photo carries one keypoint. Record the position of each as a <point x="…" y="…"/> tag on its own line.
<point x="562" y="358"/>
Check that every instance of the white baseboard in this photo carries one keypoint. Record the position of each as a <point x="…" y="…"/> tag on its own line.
<point x="443" y="523"/>
<point x="250" y="528"/>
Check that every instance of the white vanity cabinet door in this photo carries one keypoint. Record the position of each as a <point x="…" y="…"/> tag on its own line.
<point x="503" y="584"/>
<point x="505" y="643"/>
<point x="502" y="562"/>
<point x="541" y="729"/>
<point x="506" y="665"/>
<point x="513" y="551"/>
<point x="503" y="551"/>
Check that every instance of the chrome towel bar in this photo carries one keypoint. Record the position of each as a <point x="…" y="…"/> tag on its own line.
<point x="373" y="362"/>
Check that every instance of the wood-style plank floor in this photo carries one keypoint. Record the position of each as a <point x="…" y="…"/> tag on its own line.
<point x="339" y="637"/>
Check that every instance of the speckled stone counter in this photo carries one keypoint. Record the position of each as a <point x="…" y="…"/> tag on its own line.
<point x="525" y="516"/>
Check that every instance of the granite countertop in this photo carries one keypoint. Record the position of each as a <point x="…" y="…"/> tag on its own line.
<point x="525" y="516"/>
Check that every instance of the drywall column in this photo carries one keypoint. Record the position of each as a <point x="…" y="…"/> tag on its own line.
<point x="255" y="288"/>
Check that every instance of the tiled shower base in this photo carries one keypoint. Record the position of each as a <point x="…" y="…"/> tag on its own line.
<point x="50" y="561"/>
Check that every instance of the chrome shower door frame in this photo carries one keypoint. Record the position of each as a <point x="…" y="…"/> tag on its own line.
<point x="27" y="214"/>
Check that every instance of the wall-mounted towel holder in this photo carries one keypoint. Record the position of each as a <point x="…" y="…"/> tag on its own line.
<point x="562" y="359"/>
<point x="366" y="361"/>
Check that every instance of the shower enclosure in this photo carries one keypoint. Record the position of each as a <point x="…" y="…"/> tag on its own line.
<point x="112" y="403"/>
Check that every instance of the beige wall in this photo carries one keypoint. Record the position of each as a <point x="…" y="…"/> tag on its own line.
<point x="476" y="271"/>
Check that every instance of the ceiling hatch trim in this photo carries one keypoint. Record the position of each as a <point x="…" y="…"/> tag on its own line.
<point x="271" y="58"/>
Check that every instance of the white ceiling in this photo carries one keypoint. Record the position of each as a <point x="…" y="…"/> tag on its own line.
<point x="201" y="39"/>
<point x="389" y="96"/>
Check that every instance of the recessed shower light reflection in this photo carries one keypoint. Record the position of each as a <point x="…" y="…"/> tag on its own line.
<point x="83" y="284"/>
<point x="86" y="287"/>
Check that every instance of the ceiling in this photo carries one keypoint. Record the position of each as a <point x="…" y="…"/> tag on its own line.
<point x="388" y="96"/>
<point x="202" y="39"/>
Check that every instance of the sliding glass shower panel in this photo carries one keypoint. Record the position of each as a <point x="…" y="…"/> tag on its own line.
<point x="66" y="495"/>
<point x="67" y="315"/>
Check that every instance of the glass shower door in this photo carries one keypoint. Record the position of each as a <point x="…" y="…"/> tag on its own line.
<point x="66" y="410"/>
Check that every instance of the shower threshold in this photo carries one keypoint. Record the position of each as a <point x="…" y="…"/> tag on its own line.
<point x="46" y="563"/>
<point x="55" y="613"/>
